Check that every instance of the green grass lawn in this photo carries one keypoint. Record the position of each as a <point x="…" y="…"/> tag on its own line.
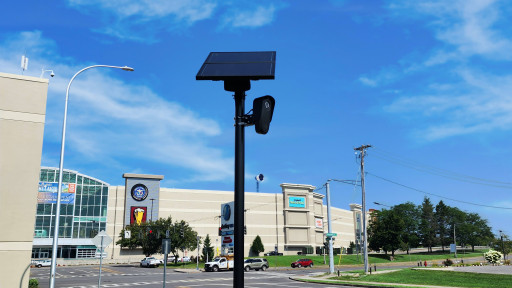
<point x="318" y="260"/>
<point x="441" y="278"/>
<point x="285" y="261"/>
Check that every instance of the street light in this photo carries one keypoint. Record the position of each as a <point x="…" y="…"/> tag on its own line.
<point x="377" y="203"/>
<point x="237" y="69"/>
<point x="61" y="164"/>
<point x="502" y="246"/>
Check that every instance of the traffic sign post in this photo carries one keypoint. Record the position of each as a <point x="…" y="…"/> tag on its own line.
<point x="166" y="249"/>
<point x="101" y="240"/>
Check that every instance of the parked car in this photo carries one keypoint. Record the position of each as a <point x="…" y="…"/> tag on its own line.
<point x="184" y="259"/>
<point x="149" y="262"/>
<point x="256" y="264"/>
<point x="273" y="253"/>
<point x="42" y="263"/>
<point x="303" y="263"/>
<point x="170" y="258"/>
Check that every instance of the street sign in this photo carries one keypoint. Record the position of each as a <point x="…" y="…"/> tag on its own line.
<point x="97" y="241"/>
<point x="166" y="246"/>
<point x="331" y="234"/>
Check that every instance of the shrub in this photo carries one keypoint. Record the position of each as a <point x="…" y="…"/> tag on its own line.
<point x="448" y="262"/>
<point x="33" y="283"/>
<point x="507" y="262"/>
<point x="492" y="256"/>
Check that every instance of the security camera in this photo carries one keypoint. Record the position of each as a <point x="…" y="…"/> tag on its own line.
<point x="52" y="74"/>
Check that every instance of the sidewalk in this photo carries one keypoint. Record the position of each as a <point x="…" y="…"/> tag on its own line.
<point x="325" y="279"/>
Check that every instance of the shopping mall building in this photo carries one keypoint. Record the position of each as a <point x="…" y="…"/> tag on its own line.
<point x="294" y="219"/>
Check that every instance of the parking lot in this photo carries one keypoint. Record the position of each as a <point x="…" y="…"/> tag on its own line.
<point x="133" y="275"/>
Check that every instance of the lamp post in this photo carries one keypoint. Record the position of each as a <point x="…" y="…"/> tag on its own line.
<point x="61" y="164"/>
<point x="377" y="203"/>
<point x="502" y="246"/>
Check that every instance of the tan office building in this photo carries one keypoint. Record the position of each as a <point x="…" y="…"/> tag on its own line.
<point x="22" y="116"/>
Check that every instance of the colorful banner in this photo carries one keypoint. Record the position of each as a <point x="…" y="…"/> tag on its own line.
<point x="51" y="198"/>
<point x="52" y="187"/>
<point x="299" y="202"/>
<point x="47" y="193"/>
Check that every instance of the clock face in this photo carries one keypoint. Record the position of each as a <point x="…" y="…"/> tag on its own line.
<point x="139" y="192"/>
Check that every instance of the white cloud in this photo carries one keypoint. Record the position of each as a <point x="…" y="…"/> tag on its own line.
<point x="110" y="120"/>
<point x="257" y="17"/>
<point x="466" y="28"/>
<point x="458" y="98"/>
<point x="487" y="107"/>
<point x="143" y="20"/>
<point x="146" y="10"/>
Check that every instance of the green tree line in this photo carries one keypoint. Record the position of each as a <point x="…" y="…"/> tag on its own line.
<point x="407" y="226"/>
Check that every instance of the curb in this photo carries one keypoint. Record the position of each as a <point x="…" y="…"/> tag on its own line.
<point x="187" y="271"/>
<point x="340" y="284"/>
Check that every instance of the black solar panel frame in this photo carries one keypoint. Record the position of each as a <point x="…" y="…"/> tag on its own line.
<point x="220" y="66"/>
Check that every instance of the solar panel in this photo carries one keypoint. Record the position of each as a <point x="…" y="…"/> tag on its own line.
<point x="238" y="66"/>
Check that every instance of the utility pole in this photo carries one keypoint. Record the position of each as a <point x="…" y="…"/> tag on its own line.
<point x="362" y="150"/>
<point x="331" y="259"/>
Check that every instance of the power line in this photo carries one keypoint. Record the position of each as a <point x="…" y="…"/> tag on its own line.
<point x="387" y="156"/>
<point x="432" y="194"/>
<point x="319" y="188"/>
<point x="349" y="182"/>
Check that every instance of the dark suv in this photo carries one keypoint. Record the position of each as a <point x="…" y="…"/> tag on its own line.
<point x="273" y="253"/>
<point x="256" y="264"/>
<point x="303" y="263"/>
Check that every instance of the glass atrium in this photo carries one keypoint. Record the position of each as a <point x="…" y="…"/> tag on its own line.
<point x="83" y="213"/>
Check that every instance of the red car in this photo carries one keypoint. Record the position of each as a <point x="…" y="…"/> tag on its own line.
<point x="303" y="263"/>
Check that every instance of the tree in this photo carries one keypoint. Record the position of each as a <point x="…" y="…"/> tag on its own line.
<point x="479" y="232"/>
<point x="441" y="217"/>
<point x="147" y="235"/>
<point x="470" y="228"/>
<point x="410" y="214"/>
<point x="183" y="238"/>
<point x="385" y="231"/>
<point x="427" y="224"/>
<point x="207" y="249"/>
<point x="257" y="246"/>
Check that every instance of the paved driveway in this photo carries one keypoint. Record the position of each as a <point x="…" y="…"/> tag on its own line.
<point x="486" y="269"/>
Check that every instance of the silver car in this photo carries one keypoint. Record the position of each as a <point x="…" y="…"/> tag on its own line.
<point x="256" y="264"/>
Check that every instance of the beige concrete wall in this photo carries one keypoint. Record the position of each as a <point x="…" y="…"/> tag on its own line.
<point x="267" y="216"/>
<point x="22" y="115"/>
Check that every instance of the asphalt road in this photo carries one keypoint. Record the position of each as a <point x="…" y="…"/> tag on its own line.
<point x="134" y="276"/>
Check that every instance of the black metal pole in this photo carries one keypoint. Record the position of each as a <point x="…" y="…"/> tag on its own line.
<point x="238" y="275"/>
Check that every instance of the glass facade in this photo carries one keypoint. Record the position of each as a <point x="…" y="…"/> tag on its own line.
<point x="83" y="207"/>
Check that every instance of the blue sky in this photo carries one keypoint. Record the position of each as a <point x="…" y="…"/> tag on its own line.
<point x="426" y="83"/>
